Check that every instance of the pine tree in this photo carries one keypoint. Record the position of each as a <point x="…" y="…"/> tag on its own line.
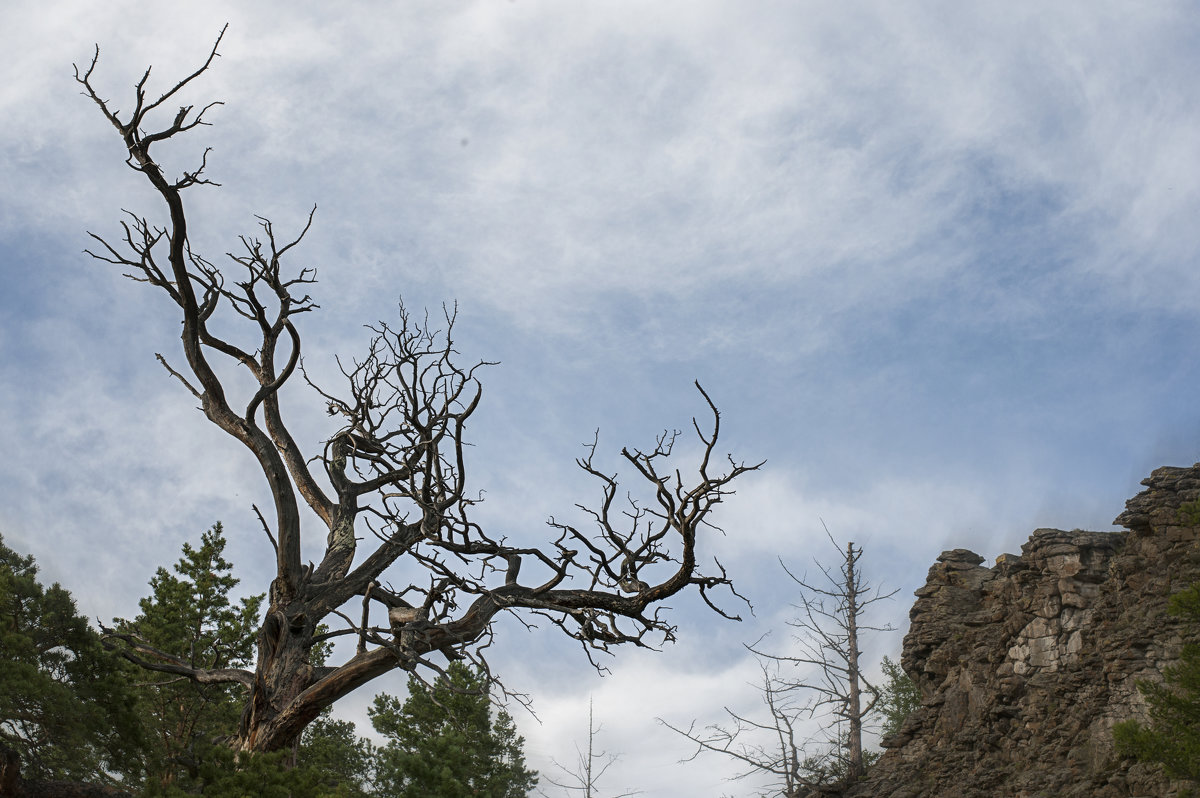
<point x="898" y="697"/>
<point x="222" y="773"/>
<point x="341" y="761"/>
<point x="331" y="762"/>
<point x="445" y="742"/>
<point x="1173" y="736"/>
<point x="65" y="709"/>
<point x="189" y="615"/>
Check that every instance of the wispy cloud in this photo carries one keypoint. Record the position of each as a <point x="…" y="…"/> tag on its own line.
<point x="934" y="261"/>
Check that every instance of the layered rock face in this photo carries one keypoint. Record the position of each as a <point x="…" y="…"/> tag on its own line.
<point x="1024" y="667"/>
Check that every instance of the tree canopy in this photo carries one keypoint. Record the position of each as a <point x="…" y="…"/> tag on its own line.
<point x="65" y="707"/>
<point x="343" y="762"/>
<point x="189" y="618"/>
<point x="898" y="697"/>
<point x="447" y="741"/>
<point x="73" y="712"/>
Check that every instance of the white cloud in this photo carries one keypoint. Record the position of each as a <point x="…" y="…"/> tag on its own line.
<point x="933" y="261"/>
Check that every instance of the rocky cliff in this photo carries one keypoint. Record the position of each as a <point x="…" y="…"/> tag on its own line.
<point x="1024" y="667"/>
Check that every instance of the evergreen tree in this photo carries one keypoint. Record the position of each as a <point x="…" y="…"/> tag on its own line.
<point x="1173" y="736"/>
<point x="222" y="773"/>
<point x="64" y="705"/>
<point x="189" y="615"/>
<point x="898" y="697"/>
<point x="445" y="742"/>
<point x="331" y="761"/>
<point x="341" y="761"/>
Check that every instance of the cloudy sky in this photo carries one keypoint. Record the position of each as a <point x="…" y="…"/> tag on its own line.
<point x="932" y="260"/>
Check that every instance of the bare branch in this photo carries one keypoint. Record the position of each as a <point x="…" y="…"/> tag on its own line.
<point x="590" y="767"/>
<point x="179" y="377"/>
<point x="826" y="692"/>
<point x="393" y="474"/>
<point x="140" y="653"/>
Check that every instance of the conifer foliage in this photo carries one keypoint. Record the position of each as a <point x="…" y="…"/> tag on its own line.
<point x="64" y="706"/>
<point x="899" y="696"/>
<point x="1173" y="736"/>
<point x="71" y="711"/>
<point x="189" y="618"/>
<point x="445" y="742"/>
<point x="342" y="762"/>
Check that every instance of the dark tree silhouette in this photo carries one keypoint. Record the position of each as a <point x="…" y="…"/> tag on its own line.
<point x="66" y="710"/>
<point x="394" y="474"/>
<point x="446" y="741"/>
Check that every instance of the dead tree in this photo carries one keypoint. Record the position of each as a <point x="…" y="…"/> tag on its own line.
<point x="394" y="473"/>
<point x="817" y="698"/>
<point x="590" y="766"/>
<point x="773" y="746"/>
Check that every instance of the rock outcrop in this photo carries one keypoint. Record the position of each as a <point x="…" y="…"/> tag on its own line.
<point x="1024" y="667"/>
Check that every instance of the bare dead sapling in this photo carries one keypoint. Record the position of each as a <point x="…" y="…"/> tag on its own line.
<point x="817" y="698"/>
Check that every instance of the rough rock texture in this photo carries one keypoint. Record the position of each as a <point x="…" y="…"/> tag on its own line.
<point x="1024" y="667"/>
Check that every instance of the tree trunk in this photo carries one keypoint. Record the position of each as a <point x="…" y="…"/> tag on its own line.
<point x="398" y="462"/>
<point x="273" y="718"/>
<point x="855" y="698"/>
<point x="13" y="786"/>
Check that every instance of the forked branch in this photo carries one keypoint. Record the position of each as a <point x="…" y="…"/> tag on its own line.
<point x="406" y="570"/>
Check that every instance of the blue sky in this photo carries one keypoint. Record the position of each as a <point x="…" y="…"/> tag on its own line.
<point x="934" y="261"/>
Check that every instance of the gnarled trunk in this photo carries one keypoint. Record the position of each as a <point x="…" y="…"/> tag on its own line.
<point x="399" y="455"/>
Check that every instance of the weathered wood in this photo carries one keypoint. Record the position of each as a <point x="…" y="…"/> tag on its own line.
<point x="395" y="474"/>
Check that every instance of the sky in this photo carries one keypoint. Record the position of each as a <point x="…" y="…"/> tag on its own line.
<point x="932" y="260"/>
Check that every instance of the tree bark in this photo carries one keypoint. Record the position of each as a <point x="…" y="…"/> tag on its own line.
<point x="854" y="699"/>
<point x="394" y="474"/>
